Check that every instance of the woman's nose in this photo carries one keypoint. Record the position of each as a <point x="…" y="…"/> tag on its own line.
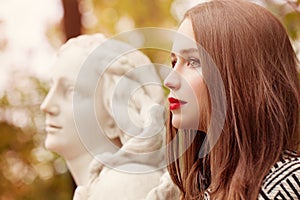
<point x="172" y="81"/>
<point x="50" y="104"/>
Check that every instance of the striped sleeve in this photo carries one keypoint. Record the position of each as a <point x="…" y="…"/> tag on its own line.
<point x="283" y="180"/>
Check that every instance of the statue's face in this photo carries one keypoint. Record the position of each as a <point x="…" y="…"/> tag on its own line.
<point x="62" y="136"/>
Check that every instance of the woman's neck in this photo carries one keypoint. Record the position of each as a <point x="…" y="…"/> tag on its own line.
<point x="79" y="168"/>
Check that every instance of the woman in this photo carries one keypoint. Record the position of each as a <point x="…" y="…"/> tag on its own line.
<point x="256" y="104"/>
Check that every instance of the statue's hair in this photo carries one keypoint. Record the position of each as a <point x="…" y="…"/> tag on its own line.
<point x="87" y="43"/>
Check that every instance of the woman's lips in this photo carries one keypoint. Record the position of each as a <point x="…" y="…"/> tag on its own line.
<point x="175" y="103"/>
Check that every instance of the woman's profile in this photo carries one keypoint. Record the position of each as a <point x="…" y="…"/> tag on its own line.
<point x="253" y="156"/>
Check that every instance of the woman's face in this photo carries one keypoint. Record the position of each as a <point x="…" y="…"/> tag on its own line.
<point x="188" y="98"/>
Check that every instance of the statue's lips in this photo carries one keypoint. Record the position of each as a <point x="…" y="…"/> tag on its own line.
<point x="52" y="128"/>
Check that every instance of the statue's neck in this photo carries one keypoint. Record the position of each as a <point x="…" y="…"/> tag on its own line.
<point x="79" y="168"/>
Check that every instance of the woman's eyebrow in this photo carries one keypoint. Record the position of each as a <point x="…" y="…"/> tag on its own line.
<point x="188" y="51"/>
<point x="184" y="52"/>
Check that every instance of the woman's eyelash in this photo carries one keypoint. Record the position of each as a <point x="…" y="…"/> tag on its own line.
<point x="193" y="62"/>
<point x="173" y="62"/>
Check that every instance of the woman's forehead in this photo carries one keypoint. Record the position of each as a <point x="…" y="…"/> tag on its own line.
<point x="184" y="39"/>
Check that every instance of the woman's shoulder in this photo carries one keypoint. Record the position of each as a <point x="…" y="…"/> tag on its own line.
<point x="283" y="180"/>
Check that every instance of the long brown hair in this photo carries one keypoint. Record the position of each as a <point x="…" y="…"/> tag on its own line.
<point x="259" y="70"/>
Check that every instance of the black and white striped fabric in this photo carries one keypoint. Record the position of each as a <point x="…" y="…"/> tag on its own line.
<point x="283" y="181"/>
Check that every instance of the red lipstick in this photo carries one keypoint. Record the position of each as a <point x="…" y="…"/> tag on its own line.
<point x="175" y="103"/>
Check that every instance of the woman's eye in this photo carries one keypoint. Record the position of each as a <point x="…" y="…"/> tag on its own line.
<point x="194" y="62"/>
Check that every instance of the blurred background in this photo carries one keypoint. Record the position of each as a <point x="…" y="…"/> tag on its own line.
<point x="30" y="33"/>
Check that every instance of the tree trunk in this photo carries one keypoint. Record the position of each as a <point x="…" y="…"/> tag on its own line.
<point x="72" y="18"/>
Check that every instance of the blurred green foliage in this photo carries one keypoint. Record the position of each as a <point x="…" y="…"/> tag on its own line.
<point x="28" y="170"/>
<point x="119" y="15"/>
<point x="289" y="14"/>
